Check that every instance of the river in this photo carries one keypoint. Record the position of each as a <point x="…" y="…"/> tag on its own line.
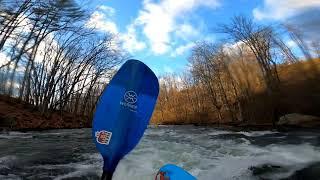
<point x="207" y="153"/>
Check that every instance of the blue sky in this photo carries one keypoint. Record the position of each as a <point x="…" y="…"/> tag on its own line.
<point x="161" y="33"/>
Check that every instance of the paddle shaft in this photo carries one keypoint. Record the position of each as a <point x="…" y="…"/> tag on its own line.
<point x="106" y="176"/>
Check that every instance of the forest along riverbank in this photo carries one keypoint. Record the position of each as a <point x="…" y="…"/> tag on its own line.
<point x="204" y="151"/>
<point x="20" y="116"/>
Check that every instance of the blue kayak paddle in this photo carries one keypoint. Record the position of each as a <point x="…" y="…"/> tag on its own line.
<point x="123" y="113"/>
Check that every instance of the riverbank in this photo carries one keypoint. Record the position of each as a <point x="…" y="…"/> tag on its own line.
<point x="20" y="116"/>
<point x="237" y="127"/>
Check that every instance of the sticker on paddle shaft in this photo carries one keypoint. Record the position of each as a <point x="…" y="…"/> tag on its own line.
<point x="103" y="137"/>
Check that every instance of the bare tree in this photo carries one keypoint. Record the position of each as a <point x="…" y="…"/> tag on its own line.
<point x="259" y="40"/>
<point x="203" y="69"/>
<point x="297" y="37"/>
<point x="57" y="62"/>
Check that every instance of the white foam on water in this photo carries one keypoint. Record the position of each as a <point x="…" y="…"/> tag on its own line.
<point x="80" y="170"/>
<point x="153" y="131"/>
<point x="77" y="169"/>
<point x="293" y="156"/>
<point x="14" y="135"/>
<point x="256" y="133"/>
<point x="230" y="160"/>
<point x="246" y="133"/>
<point x="9" y="177"/>
<point x="7" y="159"/>
<point x="219" y="132"/>
<point x="18" y="133"/>
<point x="53" y="133"/>
<point x="205" y="157"/>
<point x="302" y="153"/>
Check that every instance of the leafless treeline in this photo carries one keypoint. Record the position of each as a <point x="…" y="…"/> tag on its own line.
<point x="236" y="81"/>
<point x="49" y="58"/>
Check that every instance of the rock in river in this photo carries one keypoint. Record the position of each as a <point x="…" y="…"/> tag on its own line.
<point x="299" y="120"/>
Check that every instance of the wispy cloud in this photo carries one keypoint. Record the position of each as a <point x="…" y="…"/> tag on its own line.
<point x="130" y="40"/>
<point x="161" y="26"/>
<point x="187" y="32"/>
<point x="282" y="9"/>
<point x="291" y="44"/>
<point x="109" y="10"/>
<point x="182" y="49"/>
<point x="160" y="19"/>
<point x="102" y="20"/>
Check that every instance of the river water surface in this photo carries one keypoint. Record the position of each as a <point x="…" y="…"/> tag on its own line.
<point x="207" y="153"/>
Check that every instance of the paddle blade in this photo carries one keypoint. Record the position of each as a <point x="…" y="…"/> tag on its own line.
<point x="124" y="111"/>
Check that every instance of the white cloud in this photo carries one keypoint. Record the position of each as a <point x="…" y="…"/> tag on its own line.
<point x="4" y="59"/>
<point x="163" y="24"/>
<point x="282" y="9"/>
<point x="102" y="21"/>
<point x="130" y="41"/>
<point x="291" y="44"/>
<point x="111" y="11"/>
<point x="182" y="49"/>
<point x="186" y="32"/>
<point x="159" y="20"/>
<point x="233" y="48"/>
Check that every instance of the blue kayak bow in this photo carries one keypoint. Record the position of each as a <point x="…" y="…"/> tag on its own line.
<point x="123" y="113"/>
<point x="173" y="172"/>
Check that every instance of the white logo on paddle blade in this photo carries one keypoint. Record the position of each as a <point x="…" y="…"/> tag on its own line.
<point x="103" y="137"/>
<point x="129" y="100"/>
<point x="130" y="97"/>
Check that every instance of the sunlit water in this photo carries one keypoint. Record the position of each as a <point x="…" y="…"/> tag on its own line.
<point x="207" y="153"/>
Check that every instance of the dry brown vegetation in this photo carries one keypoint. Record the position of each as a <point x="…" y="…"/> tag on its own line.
<point x="255" y="80"/>
<point x="19" y="115"/>
<point x="299" y="93"/>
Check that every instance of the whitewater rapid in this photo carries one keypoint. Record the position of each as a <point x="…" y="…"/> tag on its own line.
<point x="207" y="153"/>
